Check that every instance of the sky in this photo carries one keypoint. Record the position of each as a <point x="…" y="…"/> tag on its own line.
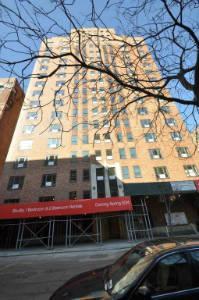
<point x="79" y="10"/>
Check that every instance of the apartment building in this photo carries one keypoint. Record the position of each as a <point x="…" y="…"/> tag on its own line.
<point x="72" y="143"/>
<point x="11" y="100"/>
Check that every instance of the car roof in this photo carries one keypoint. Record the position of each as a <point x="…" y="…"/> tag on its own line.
<point x="160" y="245"/>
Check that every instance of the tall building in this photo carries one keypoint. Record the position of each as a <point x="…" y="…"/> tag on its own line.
<point x="11" y="100"/>
<point x="71" y="143"/>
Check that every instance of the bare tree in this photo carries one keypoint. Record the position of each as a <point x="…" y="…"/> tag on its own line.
<point x="164" y="31"/>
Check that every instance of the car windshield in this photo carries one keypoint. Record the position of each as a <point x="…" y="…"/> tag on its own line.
<point x="126" y="270"/>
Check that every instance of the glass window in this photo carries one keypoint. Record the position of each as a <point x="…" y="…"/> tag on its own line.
<point x="137" y="171"/>
<point x="125" y="172"/>
<point x="48" y="180"/>
<point x="161" y="172"/>
<point x="155" y="153"/>
<point x="176" y="136"/>
<point x="46" y="198"/>
<point x="122" y="153"/>
<point x="32" y="115"/>
<point x="84" y="101"/>
<point x="59" y="92"/>
<point x="142" y="111"/>
<point x="85" y="111"/>
<point x="95" y="111"/>
<point x="86" y="174"/>
<point x="98" y="155"/>
<point x="21" y="162"/>
<point x="170" y="122"/>
<point x="85" y="155"/>
<point x="172" y="273"/>
<point x="109" y="154"/>
<point x="150" y="137"/>
<point x="34" y="103"/>
<point x="182" y="151"/>
<point x="15" y="182"/>
<point x="126" y="123"/>
<point x="165" y="109"/>
<point x="74" y="139"/>
<point x="51" y="160"/>
<point x="133" y="153"/>
<point x="85" y="139"/>
<point x="25" y="145"/>
<point x="40" y="83"/>
<point x="59" y="102"/>
<point x="73" y="195"/>
<point x="60" y="83"/>
<point x="97" y="138"/>
<point x="56" y="114"/>
<point x="191" y="170"/>
<point x="119" y="137"/>
<point x="73" y="175"/>
<point x="195" y="263"/>
<point x="146" y="123"/>
<point x="107" y="137"/>
<point x="54" y="143"/>
<point x="11" y="200"/>
<point x="28" y="129"/>
<point x="86" y="194"/>
<point x="129" y="137"/>
<point x="55" y="128"/>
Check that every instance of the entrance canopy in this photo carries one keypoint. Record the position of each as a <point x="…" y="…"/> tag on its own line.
<point x="64" y="208"/>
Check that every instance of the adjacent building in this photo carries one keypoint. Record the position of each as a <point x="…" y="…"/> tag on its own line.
<point x="11" y="100"/>
<point x="72" y="143"/>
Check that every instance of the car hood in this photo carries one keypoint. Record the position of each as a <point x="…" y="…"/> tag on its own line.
<point x="86" y="286"/>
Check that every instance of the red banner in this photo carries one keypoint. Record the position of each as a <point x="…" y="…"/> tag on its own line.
<point x="64" y="208"/>
<point x="197" y="184"/>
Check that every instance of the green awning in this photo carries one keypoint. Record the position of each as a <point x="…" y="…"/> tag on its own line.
<point x="153" y="188"/>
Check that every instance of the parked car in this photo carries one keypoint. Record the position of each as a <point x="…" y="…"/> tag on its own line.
<point x="156" y="269"/>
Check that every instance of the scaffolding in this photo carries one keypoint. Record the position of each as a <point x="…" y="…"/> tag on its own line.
<point x="69" y="231"/>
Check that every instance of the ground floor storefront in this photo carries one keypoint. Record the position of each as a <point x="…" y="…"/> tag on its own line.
<point x="147" y="212"/>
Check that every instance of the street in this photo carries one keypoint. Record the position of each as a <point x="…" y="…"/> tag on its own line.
<point x="35" y="277"/>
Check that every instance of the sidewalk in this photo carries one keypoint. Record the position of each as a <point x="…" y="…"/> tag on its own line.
<point x="107" y="246"/>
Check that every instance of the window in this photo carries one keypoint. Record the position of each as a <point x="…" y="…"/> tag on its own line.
<point x="176" y="136"/>
<point x="48" y="180"/>
<point x="73" y="195"/>
<point x="46" y="198"/>
<point x="195" y="260"/>
<point x="40" y="83"/>
<point x="95" y="111"/>
<point x="85" y="155"/>
<point x="94" y="100"/>
<point x="122" y="153"/>
<point x="85" y="139"/>
<point x="60" y="83"/>
<point x="43" y="68"/>
<point x="182" y="151"/>
<point x="95" y="123"/>
<point x="191" y="170"/>
<point x="51" y="160"/>
<point x="85" y="125"/>
<point x="126" y="123"/>
<point x="109" y="154"/>
<point x="86" y="174"/>
<point x="125" y="172"/>
<point x="96" y="138"/>
<point x="25" y="145"/>
<point x="58" y="102"/>
<point x="21" y="162"/>
<point x="107" y="137"/>
<point x="84" y="91"/>
<point x="100" y="173"/>
<point x="28" y="129"/>
<point x="155" y="153"/>
<point x="86" y="194"/>
<point x="133" y="153"/>
<point x="161" y="172"/>
<point x="55" y="128"/>
<point x="32" y="115"/>
<point x="171" y="274"/>
<point x="59" y="92"/>
<point x="111" y="173"/>
<point x="11" y="200"/>
<point x="129" y="137"/>
<point x="84" y="101"/>
<point x="73" y="156"/>
<point x="74" y="139"/>
<point x="137" y="171"/>
<point x="171" y="122"/>
<point x="117" y="123"/>
<point x="142" y="111"/>
<point x="98" y="155"/>
<point x="146" y="123"/>
<point x="85" y="111"/>
<point x="37" y="93"/>
<point x="73" y="175"/>
<point x="119" y="137"/>
<point x="54" y="143"/>
<point x="61" y="75"/>
<point x="74" y="112"/>
<point x="15" y="182"/>
<point x="165" y="109"/>
<point x="150" y="137"/>
<point x="56" y="114"/>
<point x="34" y="103"/>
